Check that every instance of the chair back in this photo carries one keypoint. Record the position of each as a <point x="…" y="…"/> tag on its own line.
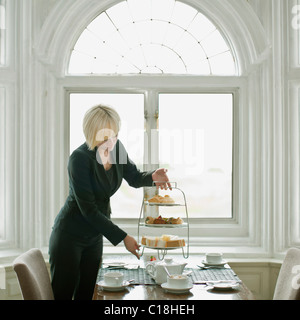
<point x="33" y="276"/>
<point x="288" y="282"/>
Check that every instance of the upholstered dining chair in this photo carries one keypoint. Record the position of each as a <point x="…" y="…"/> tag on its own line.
<point x="33" y="276"/>
<point x="288" y="281"/>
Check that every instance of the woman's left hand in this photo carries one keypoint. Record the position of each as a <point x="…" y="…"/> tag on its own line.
<point x="161" y="178"/>
<point x="132" y="246"/>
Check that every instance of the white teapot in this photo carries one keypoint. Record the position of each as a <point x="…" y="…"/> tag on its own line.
<point x="157" y="269"/>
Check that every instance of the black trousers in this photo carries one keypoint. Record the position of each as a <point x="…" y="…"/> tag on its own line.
<point x="74" y="265"/>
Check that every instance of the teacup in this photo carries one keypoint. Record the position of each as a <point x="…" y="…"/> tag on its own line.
<point x="178" y="281"/>
<point x="114" y="279"/>
<point x="214" y="258"/>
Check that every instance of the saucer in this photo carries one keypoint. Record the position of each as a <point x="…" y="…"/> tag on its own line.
<point x="222" y="263"/>
<point x="113" y="288"/>
<point x="175" y="290"/>
<point x="223" y="285"/>
<point x="114" y="264"/>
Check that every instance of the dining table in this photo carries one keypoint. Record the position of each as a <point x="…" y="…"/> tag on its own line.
<point x="142" y="287"/>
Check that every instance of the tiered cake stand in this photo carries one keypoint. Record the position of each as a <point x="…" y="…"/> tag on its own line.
<point x="162" y="251"/>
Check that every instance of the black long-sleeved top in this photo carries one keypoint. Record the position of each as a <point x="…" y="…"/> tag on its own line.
<point x="86" y="212"/>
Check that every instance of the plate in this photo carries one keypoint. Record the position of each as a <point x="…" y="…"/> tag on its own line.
<point x="175" y="290"/>
<point x="163" y="204"/>
<point x="113" y="288"/>
<point x="223" y="285"/>
<point x="222" y="263"/>
<point x="114" y="264"/>
<point x="162" y="248"/>
<point x="166" y="225"/>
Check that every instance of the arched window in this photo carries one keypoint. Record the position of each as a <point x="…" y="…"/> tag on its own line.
<point x="185" y="128"/>
<point x="152" y="37"/>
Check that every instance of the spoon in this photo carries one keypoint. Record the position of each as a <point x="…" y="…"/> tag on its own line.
<point x="211" y="267"/>
<point x="167" y="271"/>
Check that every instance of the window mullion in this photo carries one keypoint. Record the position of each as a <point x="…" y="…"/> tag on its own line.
<point x="151" y="126"/>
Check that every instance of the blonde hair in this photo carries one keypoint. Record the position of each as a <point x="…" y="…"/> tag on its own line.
<point x="99" y="124"/>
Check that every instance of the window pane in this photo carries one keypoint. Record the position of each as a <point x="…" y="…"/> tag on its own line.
<point x="169" y="61"/>
<point x="130" y="35"/>
<point x="117" y="43"/>
<point x="162" y="58"/>
<point x="102" y="26"/>
<point x="120" y="15"/>
<point x="195" y="144"/>
<point x="183" y="14"/>
<point x="162" y="10"/>
<point x="221" y="63"/>
<point x="144" y="31"/>
<point x="214" y="44"/>
<point x="173" y="35"/>
<point x="80" y="63"/>
<point x="140" y="10"/>
<point x="201" y="27"/>
<point x="189" y="49"/>
<point x="157" y="30"/>
<point x="200" y="67"/>
<point x="136" y="57"/>
<point x="2" y="31"/>
<point x="126" y="202"/>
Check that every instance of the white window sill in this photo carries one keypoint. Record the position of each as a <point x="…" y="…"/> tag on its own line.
<point x="231" y="253"/>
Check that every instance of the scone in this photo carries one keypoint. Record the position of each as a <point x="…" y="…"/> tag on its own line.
<point x="159" y="199"/>
<point x="167" y="199"/>
<point x="155" y="199"/>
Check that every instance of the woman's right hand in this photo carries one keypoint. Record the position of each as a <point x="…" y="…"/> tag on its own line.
<point x="131" y="245"/>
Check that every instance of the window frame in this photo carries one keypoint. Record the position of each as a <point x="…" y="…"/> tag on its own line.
<point x="286" y="227"/>
<point x="8" y="83"/>
<point x="214" y="230"/>
<point x="11" y="216"/>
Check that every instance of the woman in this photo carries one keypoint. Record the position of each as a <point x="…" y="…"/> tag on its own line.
<point x="95" y="170"/>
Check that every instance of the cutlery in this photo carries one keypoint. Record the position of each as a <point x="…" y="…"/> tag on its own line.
<point x="120" y="267"/>
<point x="113" y="267"/>
<point x="131" y="280"/>
<point x="212" y="267"/>
<point x="167" y="271"/>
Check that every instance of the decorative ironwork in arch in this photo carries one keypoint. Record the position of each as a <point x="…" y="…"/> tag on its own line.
<point x="154" y="37"/>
